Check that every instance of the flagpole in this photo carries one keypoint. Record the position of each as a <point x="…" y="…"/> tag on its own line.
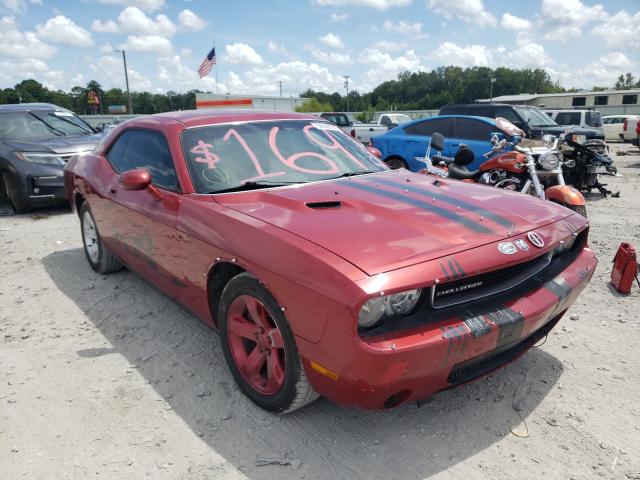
<point x="216" y="66"/>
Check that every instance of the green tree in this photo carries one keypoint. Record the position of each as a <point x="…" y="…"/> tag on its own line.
<point x="314" y="105"/>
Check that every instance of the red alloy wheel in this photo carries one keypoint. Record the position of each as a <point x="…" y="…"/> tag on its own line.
<point x="256" y="345"/>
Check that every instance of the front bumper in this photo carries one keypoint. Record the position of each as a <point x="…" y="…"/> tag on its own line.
<point x="41" y="184"/>
<point x="389" y="370"/>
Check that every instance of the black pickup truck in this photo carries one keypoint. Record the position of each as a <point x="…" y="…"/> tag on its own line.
<point x="532" y="120"/>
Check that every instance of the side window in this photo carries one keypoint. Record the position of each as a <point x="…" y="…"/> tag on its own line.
<point x="144" y="149"/>
<point x="385" y="120"/>
<point x="579" y="101"/>
<point x="472" y="129"/>
<point x="509" y="114"/>
<point x="629" y="99"/>
<point x="568" y="118"/>
<point x="429" y="127"/>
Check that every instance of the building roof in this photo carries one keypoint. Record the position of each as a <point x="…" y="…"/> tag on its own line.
<point x="525" y="97"/>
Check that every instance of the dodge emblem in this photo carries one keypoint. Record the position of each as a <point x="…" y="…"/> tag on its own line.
<point x="508" y="248"/>
<point x="535" y="239"/>
<point x="522" y="245"/>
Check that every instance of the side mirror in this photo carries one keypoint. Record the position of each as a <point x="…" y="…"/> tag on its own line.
<point x="137" y="179"/>
<point x="437" y="141"/>
<point x="375" y="152"/>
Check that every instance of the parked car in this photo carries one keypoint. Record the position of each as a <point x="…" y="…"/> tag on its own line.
<point x="578" y="117"/>
<point x="532" y="120"/>
<point x="339" y="119"/>
<point x="630" y="129"/>
<point x="364" y="131"/>
<point x="36" y="140"/>
<point x="614" y="126"/>
<point x="325" y="272"/>
<point x="405" y="146"/>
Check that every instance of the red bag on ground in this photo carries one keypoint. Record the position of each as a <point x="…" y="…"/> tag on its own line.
<point x="625" y="268"/>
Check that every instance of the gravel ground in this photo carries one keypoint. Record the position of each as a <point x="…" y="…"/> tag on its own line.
<point x="104" y="377"/>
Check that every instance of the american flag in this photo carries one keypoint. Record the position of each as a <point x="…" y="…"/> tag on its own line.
<point x="208" y="63"/>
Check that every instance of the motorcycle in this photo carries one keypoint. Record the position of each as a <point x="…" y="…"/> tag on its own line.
<point x="534" y="171"/>
<point x="590" y="160"/>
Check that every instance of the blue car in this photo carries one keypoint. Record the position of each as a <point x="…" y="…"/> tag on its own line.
<point x="406" y="145"/>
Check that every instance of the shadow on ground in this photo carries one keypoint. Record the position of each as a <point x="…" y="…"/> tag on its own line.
<point x="181" y="358"/>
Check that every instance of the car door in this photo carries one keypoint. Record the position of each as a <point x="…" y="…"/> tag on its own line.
<point x="474" y="133"/>
<point x="418" y="136"/>
<point x="142" y="223"/>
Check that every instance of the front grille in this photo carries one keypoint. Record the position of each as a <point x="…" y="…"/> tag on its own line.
<point x="483" y="285"/>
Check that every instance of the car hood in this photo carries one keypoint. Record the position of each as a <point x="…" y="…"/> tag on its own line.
<point x="389" y="220"/>
<point x="71" y="144"/>
<point x="576" y="130"/>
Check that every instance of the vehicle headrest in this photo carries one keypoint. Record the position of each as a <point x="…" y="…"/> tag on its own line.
<point x="464" y="156"/>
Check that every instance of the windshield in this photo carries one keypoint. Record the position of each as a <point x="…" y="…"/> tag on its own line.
<point x="535" y="117"/>
<point x="594" y="119"/>
<point x="399" y="118"/>
<point x="340" y="119"/>
<point x="41" y="124"/>
<point x="227" y="157"/>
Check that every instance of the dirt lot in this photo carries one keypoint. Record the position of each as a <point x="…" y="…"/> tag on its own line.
<point x="104" y="377"/>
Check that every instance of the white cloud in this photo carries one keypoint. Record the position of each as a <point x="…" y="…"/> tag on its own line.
<point x="377" y="4"/>
<point x="241" y="53"/>
<point x="404" y="28"/>
<point x="18" y="6"/>
<point x="60" y="29"/>
<point x="14" y="43"/>
<point x="338" y="17"/>
<point x="563" y="34"/>
<point x="388" y="46"/>
<point x="448" y="53"/>
<point x="108" y="26"/>
<point x="385" y="66"/>
<point x="191" y="22"/>
<point x="106" y="48"/>
<point x="135" y="21"/>
<point x="331" y="58"/>
<point x="471" y="11"/>
<point x="275" y="47"/>
<point x="153" y="44"/>
<point x="332" y="41"/>
<point x="511" y="22"/>
<point x="528" y="54"/>
<point x="174" y="75"/>
<point x="621" y="30"/>
<point x="570" y="12"/>
<point x="615" y="60"/>
<point x="296" y="76"/>
<point x="108" y="70"/>
<point x="146" y="5"/>
<point x="14" y="71"/>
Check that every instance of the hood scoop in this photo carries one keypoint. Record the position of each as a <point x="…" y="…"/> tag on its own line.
<point x="324" y="205"/>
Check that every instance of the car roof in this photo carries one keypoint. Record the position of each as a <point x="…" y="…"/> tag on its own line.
<point x="202" y="117"/>
<point x="627" y="115"/>
<point x="488" y="120"/>
<point x="21" y="107"/>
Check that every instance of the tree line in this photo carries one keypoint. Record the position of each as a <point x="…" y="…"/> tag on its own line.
<point x="410" y="91"/>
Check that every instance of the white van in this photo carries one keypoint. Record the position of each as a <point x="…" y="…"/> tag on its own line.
<point x="582" y="118"/>
<point x="614" y="126"/>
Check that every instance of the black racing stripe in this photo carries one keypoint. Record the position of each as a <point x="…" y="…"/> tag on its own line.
<point x="456" y="276"/>
<point x="477" y="324"/>
<point x="444" y="270"/>
<point x="561" y="289"/>
<point x="509" y="323"/>
<point x="470" y="224"/>
<point x="457" y="202"/>
<point x="462" y="274"/>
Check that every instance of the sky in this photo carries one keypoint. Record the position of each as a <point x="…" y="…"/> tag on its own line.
<point x="309" y="43"/>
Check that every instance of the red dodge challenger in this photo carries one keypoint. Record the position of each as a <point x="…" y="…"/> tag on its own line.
<point x="325" y="272"/>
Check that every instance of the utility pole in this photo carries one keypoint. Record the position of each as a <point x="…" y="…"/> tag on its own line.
<point x="126" y="79"/>
<point x="280" y="83"/>
<point x="493" y="80"/>
<point x="346" y="84"/>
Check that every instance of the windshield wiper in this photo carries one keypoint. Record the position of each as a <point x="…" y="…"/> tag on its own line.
<point x="254" y="185"/>
<point x="53" y="129"/>
<point x="350" y="174"/>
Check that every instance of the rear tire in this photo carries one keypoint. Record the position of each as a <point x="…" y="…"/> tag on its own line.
<point x="18" y="202"/>
<point x="260" y="349"/>
<point x="395" y="163"/>
<point x="97" y="254"/>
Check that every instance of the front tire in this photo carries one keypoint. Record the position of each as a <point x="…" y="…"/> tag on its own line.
<point x="19" y="203"/>
<point x="396" y="163"/>
<point x="97" y="254"/>
<point x="260" y="349"/>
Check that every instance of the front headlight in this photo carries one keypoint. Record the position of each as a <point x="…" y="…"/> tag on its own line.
<point x="41" y="157"/>
<point x="396" y="304"/>
<point x="550" y="160"/>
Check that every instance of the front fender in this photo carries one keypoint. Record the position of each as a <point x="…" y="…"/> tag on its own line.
<point x="565" y="195"/>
